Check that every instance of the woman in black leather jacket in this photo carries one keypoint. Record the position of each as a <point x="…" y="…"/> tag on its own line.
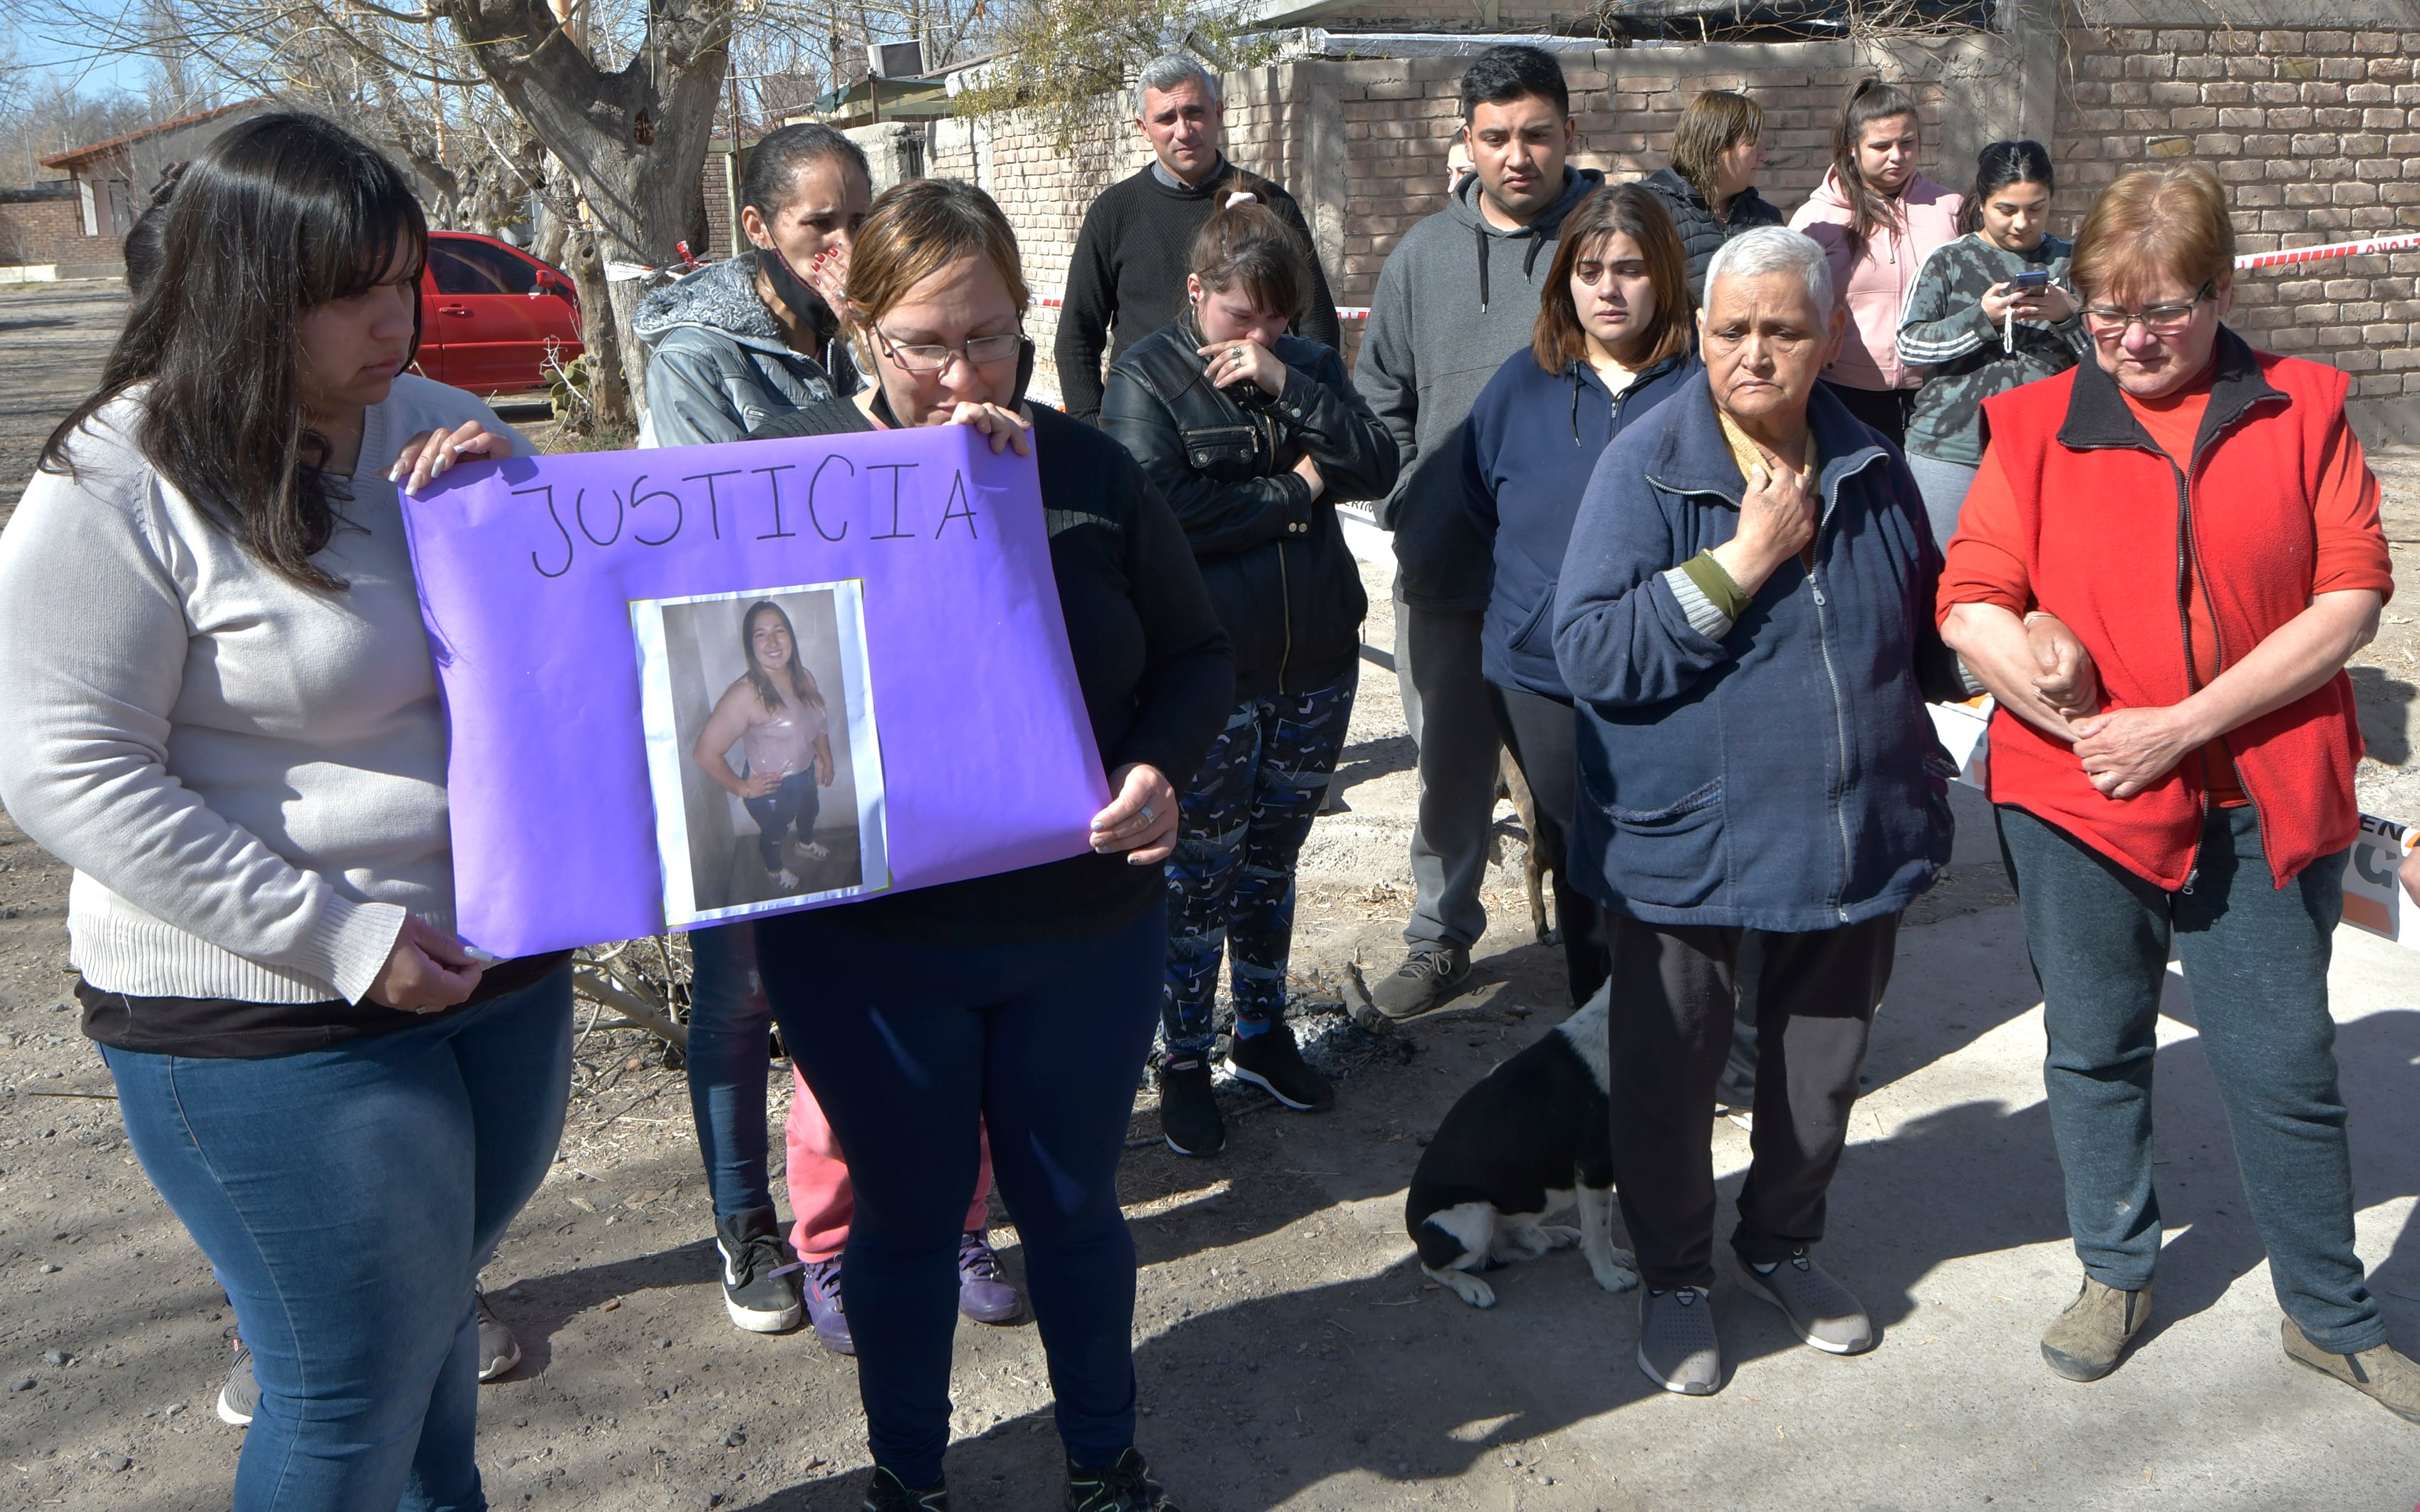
<point x="1251" y="435"/>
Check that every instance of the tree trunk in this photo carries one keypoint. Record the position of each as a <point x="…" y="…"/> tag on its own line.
<point x="632" y="142"/>
<point x="601" y="336"/>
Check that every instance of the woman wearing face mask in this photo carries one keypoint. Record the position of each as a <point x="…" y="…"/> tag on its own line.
<point x="1990" y="311"/>
<point x="1252" y="435"/>
<point x="222" y="715"/>
<point x="1710" y="189"/>
<point x="749" y="338"/>
<point x="1612" y="342"/>
<point x="1877" y="219"/>
<point x="1021" y="1003"/>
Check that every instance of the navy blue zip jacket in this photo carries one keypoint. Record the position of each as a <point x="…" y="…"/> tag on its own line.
<point x="1779" y="773"/>
<point x="1527" y="450"/>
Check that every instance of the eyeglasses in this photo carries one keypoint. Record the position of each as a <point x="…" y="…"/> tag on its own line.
<point x="978" y="351"/>
<point x="2109" y="323"/>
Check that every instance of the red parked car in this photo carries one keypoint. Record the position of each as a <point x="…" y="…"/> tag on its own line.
<point x="486" y="313"/>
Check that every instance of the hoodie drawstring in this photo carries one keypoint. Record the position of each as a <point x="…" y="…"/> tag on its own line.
<point x="1576" y="404"/>
<point x="1481" y="231"/>
<point x="1530" y="259"/>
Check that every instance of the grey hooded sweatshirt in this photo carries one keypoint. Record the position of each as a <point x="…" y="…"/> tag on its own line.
<point x="1458" y="296"/>
<point x="718" y="364"/>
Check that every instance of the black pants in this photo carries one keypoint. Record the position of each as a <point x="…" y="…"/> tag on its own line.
<point x="1884" y="409"/>
<point x="1543" y="735"/>
<point x="1673" y="998"/>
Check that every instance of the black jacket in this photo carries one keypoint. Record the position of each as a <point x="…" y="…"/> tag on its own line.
<point x="1284" y="584"/>
<point x="1703" y="232"/>
<point x="1151" y="661"/>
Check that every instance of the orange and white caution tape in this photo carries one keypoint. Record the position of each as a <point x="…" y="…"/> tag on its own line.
<point x="2374" y="245"/>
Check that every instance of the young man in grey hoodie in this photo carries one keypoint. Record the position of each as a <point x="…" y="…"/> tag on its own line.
<point x="1459" y="295"/>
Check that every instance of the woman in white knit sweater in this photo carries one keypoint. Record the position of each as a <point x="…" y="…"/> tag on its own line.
<point x="223" y="714"/>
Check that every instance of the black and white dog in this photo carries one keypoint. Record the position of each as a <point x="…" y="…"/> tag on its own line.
<point x="1531" y="1141"/>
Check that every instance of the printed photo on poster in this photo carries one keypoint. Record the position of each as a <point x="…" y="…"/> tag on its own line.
<point x="762" y="753"/>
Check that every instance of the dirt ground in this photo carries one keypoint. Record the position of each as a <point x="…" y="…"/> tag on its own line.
<point x="1290" y="1355"/>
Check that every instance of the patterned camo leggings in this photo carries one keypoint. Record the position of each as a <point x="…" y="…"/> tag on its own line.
<point x="1230" y="882"/>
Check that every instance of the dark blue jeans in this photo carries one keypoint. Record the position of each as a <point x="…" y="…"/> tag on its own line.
<point x="2256" y="960"/>
<point x="1231" y="883"/>
<point x="730" y="1052"/>
<point x="347" y="1198"/>
<point x="794" y="802"/>
<point x="907" y="1046"/>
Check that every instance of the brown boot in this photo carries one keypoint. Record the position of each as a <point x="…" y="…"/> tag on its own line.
<point x="2380" y="1373"/>
<point x="2084" y="1342"/>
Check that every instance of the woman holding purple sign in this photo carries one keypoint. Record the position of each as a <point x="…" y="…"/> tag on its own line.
<point x="1023" y="1003"/>
<point x="223" y="714"/>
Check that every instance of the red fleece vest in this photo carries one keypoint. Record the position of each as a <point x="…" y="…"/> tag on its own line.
<point x="2102" y="526"/>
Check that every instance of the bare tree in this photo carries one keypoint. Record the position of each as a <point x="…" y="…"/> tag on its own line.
<point x="1068" y="61"/>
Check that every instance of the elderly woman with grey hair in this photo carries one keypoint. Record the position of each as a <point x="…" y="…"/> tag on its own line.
<point x="1746" y="622"/>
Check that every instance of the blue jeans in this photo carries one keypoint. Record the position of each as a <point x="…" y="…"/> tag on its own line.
<point x="347" y="1198"/>
<point x="2256" y="960"/>
<point x="1244" y="818"/>
<point x="909" y="1047"/>
<point x="730" y="1054"/>
<point x="794" y="802"/>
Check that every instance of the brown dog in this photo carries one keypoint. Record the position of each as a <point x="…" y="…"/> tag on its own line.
<point x="1541" y="857"/>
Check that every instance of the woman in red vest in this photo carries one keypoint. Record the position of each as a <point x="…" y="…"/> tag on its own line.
<point x="2200" y="515"/>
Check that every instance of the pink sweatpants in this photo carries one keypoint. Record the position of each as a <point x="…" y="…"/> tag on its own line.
<point x="818" y="1179"/>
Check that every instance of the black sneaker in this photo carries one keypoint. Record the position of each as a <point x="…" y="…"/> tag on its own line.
<point x="886" y="1492"/>
<point x="1124" y="1487"/>
<point x="760" y="1273"/>
<point x="240" y="1396"/>
<point x="1429" y="975"/>
<point x="1189" y="1113"/>
<point x="1271" y="1061"/>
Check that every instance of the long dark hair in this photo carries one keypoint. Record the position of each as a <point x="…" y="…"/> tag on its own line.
<point x="1998" y="166"/>
<point x="284" y="213"/>
<point x="1250" y="244"/>
<point x="802" y="681"/>
<point x="1634" y="211"/>
<point x="1870" y="208"/>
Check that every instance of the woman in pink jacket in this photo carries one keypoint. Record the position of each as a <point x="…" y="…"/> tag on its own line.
<point x="1877" y="219"/>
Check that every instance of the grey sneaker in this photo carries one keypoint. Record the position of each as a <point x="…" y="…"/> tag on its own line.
<point x="240" y="1396"/>
<point x="2380" y="1373"/>
<point x="1677" y="1346"/>
<point x="499" y="1352"/>
<point x="1429" y="975"/>
<point x="2084" y="1342"/>
<point x="1820" y="1309"/>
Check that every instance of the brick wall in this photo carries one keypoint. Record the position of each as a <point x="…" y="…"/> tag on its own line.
<point x="2316" y="133"/>
<point x="38" y="231"/>
<point x="1362" y="143"/>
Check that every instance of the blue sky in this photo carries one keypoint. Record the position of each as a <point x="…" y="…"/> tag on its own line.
<point x="62" y="64"/>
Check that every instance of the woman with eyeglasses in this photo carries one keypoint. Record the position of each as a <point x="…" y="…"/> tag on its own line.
<point x="2201" y="516"/>
<point x="1251" y="435"/>
<point x="1022" y="1003"/>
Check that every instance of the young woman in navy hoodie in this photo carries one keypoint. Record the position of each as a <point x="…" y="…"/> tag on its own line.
<point x="1612" y="342"/>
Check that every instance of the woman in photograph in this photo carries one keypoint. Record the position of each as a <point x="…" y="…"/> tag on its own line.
<point x="1612" y="342"/>
<point x="1710" y="186"/>
<point x="776" y="711"/>
<point x="1024" y="1002"/>
<point x="1990" y="312"/>
<point x="1252" y="435"/>
<point x="223" y="716"/>
<point x="1877" y="219"/>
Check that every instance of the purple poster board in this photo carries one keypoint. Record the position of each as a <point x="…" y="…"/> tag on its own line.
<point x="528" y="573"/>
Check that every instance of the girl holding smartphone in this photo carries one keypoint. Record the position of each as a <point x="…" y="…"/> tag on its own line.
<point x="1987" y="313"/>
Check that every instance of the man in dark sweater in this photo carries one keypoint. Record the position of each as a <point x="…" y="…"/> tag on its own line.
<point x="1127" y="275"/>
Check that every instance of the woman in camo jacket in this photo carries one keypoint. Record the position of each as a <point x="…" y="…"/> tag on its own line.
<point x="1980" y="336"/>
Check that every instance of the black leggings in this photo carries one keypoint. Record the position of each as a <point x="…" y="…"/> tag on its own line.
<point x="794" y="802"/>
<point x="1884" y="409"/>
<point x="1542" y="735"/>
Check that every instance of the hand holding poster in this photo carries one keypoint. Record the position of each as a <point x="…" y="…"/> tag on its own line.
<point x="703" y="683"/>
